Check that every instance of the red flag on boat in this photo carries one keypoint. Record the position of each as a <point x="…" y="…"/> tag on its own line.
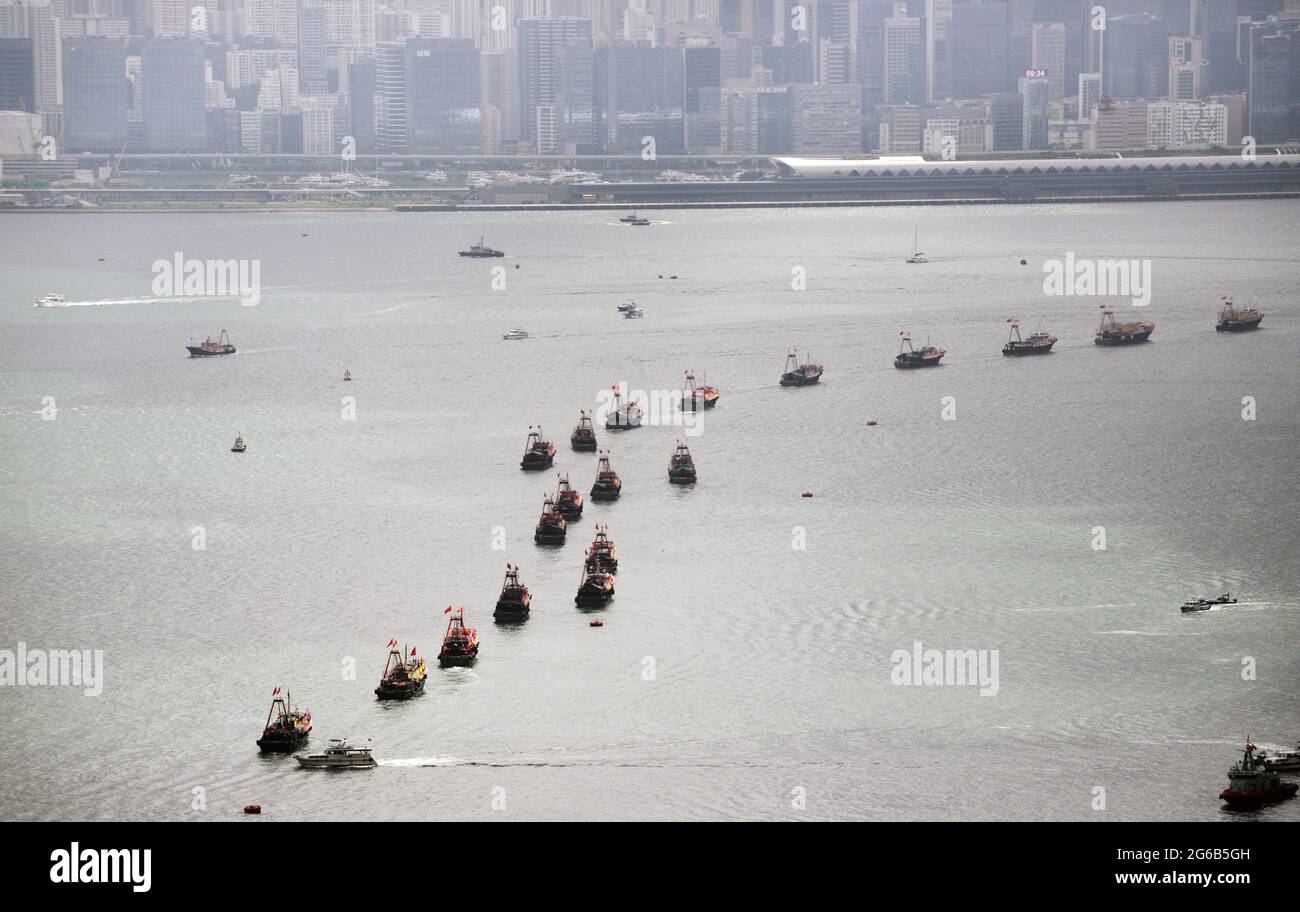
<point x="448" y="610"/>
<point x="412" y="650"/>
<point x="275" y="692"/>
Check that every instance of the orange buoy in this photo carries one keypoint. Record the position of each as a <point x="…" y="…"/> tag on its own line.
<point x="252" y="809"/>
<point x="597" y="623"/>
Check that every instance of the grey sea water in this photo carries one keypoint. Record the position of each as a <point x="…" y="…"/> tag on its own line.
<point x="737" y="675"/>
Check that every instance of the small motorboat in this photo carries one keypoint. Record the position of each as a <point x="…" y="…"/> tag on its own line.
<point x="339" y="754"/>
<point x="460" y="644"/>
<point x="624" y="308"/>
<point x="51" y="300"/>
<point x="1282" y="760"/>
<point x="597" y="623"/>
<point x="635" y="313"/>
<point x="252" y="809"/>
<point x="1201" y="604"/>
<point x="631" y="219"/>
<point x="514" y="334"/>
<point x="239" y="445"/>
<point x="639" y="222"/>
<point x="1224" y="599"/>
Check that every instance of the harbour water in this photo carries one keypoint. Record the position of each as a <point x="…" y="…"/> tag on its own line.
<point x="744" y="668"/>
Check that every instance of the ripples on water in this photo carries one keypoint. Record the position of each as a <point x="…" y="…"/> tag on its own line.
<point x="771" y="665"/>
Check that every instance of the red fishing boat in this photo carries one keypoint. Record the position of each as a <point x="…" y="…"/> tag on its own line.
<point x="568" y="502"/>
<point x="551" y="526"/>
<point x="597" y="586"/>
<point x="404" y="674"/>
<point x="608" y="485"/>
<point x="583" y="438"/>
<point x="681" y="467"/>
<point x="515" y="599"/>
<point x="539" y="453"/>
<point x="1112" y="332"/>
<point x="1233" y="320"/>
<point x="698" y="397"/>
<point x="460" y="644"/>
<point x="603" y="550"/>
<point x="287" y="728"/>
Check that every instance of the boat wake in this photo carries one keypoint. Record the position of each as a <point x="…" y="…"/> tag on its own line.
<point x="120" y="301"/>
<point x="422" y="761"/>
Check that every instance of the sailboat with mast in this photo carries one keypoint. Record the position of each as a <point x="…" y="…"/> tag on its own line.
<point x="917" y="256"/>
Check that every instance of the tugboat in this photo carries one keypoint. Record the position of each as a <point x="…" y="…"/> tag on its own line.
<point x="908" y="357"/>
<point x="403" y="676"/>
<point x="240" y="445"/>
<point x="481" y="250"/>
<point x="538" y="452"/>
<point x="568" y="502"/>
<point x="603" y="551"/>
<point x="551" y="526"/>
<point x="583" y="438"/>
<point x="287" y="728"/>
<point x="1251" y="784"/>
<point x="339" y="754"/>
<point x="1040" y="343"/>
<point x="1112" y="332"/>
<point x="515" y="599"/>
<point x="797" y="374"/>
<point x="597" y="586"/>
<point x="347" y="375"/>
<point x="608" y="485"/>
<point x="681" y="468"/>
<point x="622" y="418"/>
<point x="1233" y="320"/>
<point x="1201" y="604"/>
<point x="460" y="645"/>
<point x="207" y="348"/>
<point x="697" y="397"/>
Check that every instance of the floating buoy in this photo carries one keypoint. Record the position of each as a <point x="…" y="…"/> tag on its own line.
<point x="101" y="259"/>
<point x="252" y="809"/>
<point x="597" y="623"/>
<point x="304" y="234"/>
<point x="806" y="494"/>
<point x="1024" y="262"/>
<point x="672" y="277"/>
<point x="516" y="265"/>
<point x="871" y="423"/>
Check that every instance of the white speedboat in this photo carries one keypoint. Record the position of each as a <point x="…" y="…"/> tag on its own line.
<point x="515" y="334"/>
<point x="339" y="754"/>
<point x="624" y="308"/>
<point x="51" y="300"/>
<point x="1282" y="760"/>
<point x="633" y="313"/>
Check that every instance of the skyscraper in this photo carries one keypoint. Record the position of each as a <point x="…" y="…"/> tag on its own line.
<point x="905" y="81"/>
<point x="96" y="95"/>
<point x="1047" y="43"/>
<point x="542" y="66"/>
<point x="1185" y="66"/>
<point x="443" y="94"/>
<point x="312" y="79"/>
<point x="17" y="75"/>
<point x="1036" y="91"/>
<point x="979" y="49"/>
<point x="173" y="95"/>
<point x="1273" y="92"/>
<point x="938" y="49"/>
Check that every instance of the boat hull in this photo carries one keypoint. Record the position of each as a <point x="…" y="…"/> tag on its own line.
<point x="549" y="537"/>
<point x="583" y="444"/>
<point x="1236" y="326"/>
<point x="482" y="256"/>
<point x="310" y="762"/>
<point x="457" y="659"/>
<point x="593" y="598"/>
<point x="510" y="612"/>
<point x="393" y="692"/>
<point x="571" y="513"/>
<point x="903" y="363"/>
<point x="1254" y="798"/>
<point x="535" y="462"/>
<point x="1011" y="350"/>
<point x="605" y="494"/>
<point x="792" y="380"/>
<point x="1133" y="338"/>
<point x="280" y="745"/>
<point x="197" y="352"/>
<point x="681" y="478"/>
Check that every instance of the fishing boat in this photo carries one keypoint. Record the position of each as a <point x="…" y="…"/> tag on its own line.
<point x="403" y="676"/>
<point x="583" y="438"/>
<point x="347" y="375"/>
<point x="481" y="250"/>
<point x="1200" y="604"/>
<point x="681" y="467"/>
<point x="1112" y="332"/>
<point x="639" y="222"/>
<point x="797" y="374"/>
<point x="909" y="357"/>
<point x="287" y="728"/>
<point x="698" y="397"/>
<point x="1040" y="343"/>
<point x="51" y="300"/>
<point x="625" y="308"/>
<point x="621" y="417"/>
<point x="340" y="754"/>
<point x="917" y="256"/>
<point x="568" y="502"/>
<point x="1282" y="760"/>
<point x="603" y="550"/>
<point x="1252" y="784"/>
<point x="551" y="526"/>
<point x="596" y="587"/>
<point x="515" y="599"/>
<point x="635" y="313"/>
<point x="1233" y="320"/>
<point x="239" y="445"/>
<point x="607" y="485"/>
<point x="207" y="348"/>
<point x="539" y="453"/>
<point x="514" y="335"/>
<point x="460" y="644"/>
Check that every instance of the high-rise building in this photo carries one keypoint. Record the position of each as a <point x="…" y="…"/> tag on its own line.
<point x="546" y="68"/>
<point x="826" y="119"/>
<point x="443" y="95"/>
<point x="1273" y="91"/>
<point x="905" y="81"/>
<point x="1036" y="91"/>
<point x="17" y="75"/>
<point x="938" y="49"/>
<point x="1007" y="113"/>
<point x="96" y="95"/>
<point x="900" y="130"/>
<point x="1121" y="124"/>
<point x="702" y="99"/>
<point x="1047" y="55"/>
<point x="1186" y="125"/>
<point x="173" y="95"/>
<point x="312" y="79"/>
<point x="1089" y="95"/>
<point x="274" y="19"/>
<point x="979" y="49"/>
<point x="361" y="104"/>
<point x="1185" y="68"/>
<point x="390" y="97"/>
